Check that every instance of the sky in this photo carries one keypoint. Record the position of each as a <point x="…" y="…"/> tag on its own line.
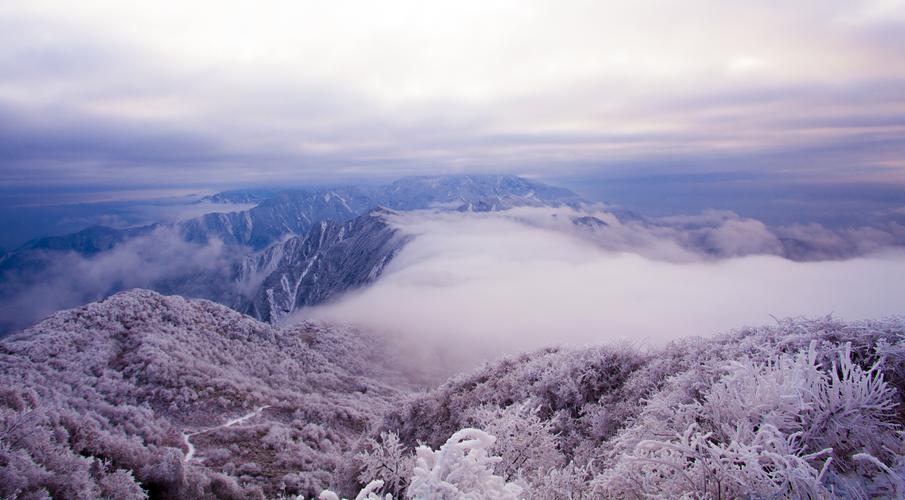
<point x="639" y="103"/>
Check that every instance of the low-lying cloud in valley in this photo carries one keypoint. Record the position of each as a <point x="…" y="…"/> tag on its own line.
<point x="476" y="285"/>
<point x="161" y="260"/>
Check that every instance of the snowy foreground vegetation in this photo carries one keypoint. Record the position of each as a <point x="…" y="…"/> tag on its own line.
<point x="149" y="396"/>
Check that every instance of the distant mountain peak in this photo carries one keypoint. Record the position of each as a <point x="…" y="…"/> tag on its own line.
<point x="239" y="196"/>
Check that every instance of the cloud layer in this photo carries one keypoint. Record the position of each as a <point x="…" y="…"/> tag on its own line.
<point x="160" y="260"/>
<point x="474" y="287"/>
<point x="229" y="92"/>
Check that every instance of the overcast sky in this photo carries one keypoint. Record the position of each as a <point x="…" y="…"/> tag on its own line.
<point x="138" y="94"/>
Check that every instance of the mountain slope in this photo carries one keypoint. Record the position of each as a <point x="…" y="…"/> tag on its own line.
<point x="127" y="377"/>
<point x="178" y="398"/>
<point x="286" y="213"/>
<point x="328" y="260"/>
<point x="801" y="409"/>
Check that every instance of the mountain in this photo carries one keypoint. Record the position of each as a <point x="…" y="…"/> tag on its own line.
<point x="27" y="262"/>
<point x="145" y="395"/>
<point x="98" y="399"/>
<point x="294" y="212"/>
<point x="223" y="256"/>
<point x="239" y="196"/>
<point x="473" y="192"/>
<point x="329" y="259"/>
<point x="286" y="213"/>
<point x="89" y="241"/>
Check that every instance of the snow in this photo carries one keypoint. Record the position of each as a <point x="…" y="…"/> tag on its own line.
<point x="186" y="438"/>
<point x="244" y="418"/>
<point x="188" y="444"/>
<point x="345" y="204"/>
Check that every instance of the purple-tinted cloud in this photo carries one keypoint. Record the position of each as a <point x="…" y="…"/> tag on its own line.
<point x="116" y="94"/>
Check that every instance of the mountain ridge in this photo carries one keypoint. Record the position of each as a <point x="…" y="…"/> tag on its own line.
<point x="245" y="240"/>
<point x="294" y="210"/>
<point x="313" y="268"/>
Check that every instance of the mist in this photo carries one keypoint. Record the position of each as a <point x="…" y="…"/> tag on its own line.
<point x="475" y="286"/>
<point x="27" y="216"/>
<point x="160" y="260"/>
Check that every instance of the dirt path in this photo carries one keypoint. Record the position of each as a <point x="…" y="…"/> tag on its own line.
<point x="229" y="423"/>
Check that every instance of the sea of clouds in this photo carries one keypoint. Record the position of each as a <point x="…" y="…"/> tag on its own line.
<point x="474" y="286"/>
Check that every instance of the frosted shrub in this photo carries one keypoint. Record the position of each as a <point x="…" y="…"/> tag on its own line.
<point x="388" y="461"/>
<point x="525" y="444"/>
<point x="460" y="470"/>
<point x="121" y="485"/>
<point x="367" y="493"/>
<point x="571" y="482"/>
<point x="786" y="427"/>
<point x="693" y="463"/>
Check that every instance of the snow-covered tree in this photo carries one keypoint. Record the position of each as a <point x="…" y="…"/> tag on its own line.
<point x="388" y="461"/>
<point x="525" y="443"/>
<point x="572" y="482"/>
<point x="461" y="469"/>
<point x="366" y="493"/>
<point x="787" y="427"/>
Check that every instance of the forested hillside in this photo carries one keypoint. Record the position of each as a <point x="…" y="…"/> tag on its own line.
<point x="144" y="395"/>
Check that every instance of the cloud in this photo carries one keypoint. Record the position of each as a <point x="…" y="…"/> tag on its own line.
<point x="134" y="93"/>
<point x="29" y="214"/>
<point x="472" y="287"/>
<point x="815" y="242"/>
<point x="160" y="260"/>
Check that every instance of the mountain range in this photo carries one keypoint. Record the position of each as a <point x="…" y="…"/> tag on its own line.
<point x="302" y="247"/>
<point x="295" y="248"/>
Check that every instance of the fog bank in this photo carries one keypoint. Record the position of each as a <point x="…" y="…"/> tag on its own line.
<point x="482" y="285"/>
<point x="160" y="260"/>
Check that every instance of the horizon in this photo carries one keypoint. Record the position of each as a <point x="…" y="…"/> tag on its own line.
<point x="26" y="214"/>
